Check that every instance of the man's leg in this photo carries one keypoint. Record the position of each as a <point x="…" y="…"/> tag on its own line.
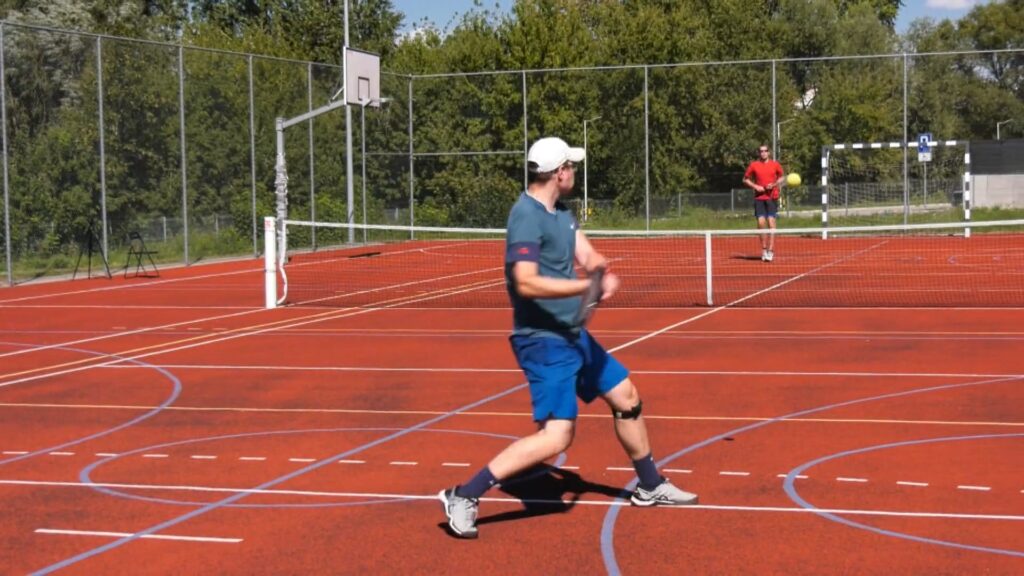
<point x="762" y="223"/>
<point x="460" y="503"/>
<point x="624" y="400"/>
<point x="551" y="440"/>
<point x="551" y="366"/>
<point x="771" y="237"/>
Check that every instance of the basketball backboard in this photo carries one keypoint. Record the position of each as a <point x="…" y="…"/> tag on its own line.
<point x="362" y="78"/>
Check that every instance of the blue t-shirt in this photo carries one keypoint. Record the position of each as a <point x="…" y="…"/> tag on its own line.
<point x="549" y="239"/>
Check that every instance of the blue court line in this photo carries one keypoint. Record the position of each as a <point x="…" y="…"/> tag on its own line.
<point x="238" y="496"/>
<point x="795" y="496"/>
<point x="85" y="474"/>
<point x="176" y="391"/>
<point x="608" y="527"/>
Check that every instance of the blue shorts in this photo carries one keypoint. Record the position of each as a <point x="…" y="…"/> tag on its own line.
<point x="769" y="208"/>
<point x="561" y="369"/>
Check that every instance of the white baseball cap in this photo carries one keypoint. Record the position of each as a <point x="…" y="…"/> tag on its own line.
<point x="548" y="154"/>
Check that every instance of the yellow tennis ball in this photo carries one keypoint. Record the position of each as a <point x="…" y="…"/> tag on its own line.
<point x="793" y="179"/>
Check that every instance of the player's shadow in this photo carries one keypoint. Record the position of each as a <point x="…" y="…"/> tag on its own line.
<point x="745" y="257"/>
<point x="542" y="491"/>
<point x="548" y="490"/>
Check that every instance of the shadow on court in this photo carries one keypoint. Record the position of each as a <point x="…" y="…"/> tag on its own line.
<point x="548" y="490"/>
<point x="543" y="491"/>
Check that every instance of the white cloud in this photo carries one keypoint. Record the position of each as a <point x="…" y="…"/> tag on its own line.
<point x="951" y="4"/>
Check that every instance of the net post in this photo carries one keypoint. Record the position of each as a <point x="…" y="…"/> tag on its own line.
<point x="281" y="183"/>
<point x="270" y="262"/>
<point x="707" y="266"/>
<point x="824" y="192"/>
<point x="966" y="192"/>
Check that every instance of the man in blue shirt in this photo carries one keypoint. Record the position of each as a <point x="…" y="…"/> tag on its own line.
<point x="559" y="357"/>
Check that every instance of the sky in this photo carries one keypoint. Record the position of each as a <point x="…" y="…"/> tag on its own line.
<point x="445" y="13"/>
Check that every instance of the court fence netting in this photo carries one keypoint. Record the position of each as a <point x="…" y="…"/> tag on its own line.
<point x="977" y="264"/>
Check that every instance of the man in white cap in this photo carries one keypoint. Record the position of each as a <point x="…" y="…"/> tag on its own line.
<point x="561" y="360"/>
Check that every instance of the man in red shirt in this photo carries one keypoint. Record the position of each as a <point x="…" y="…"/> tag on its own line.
<point x="765" y="176"/>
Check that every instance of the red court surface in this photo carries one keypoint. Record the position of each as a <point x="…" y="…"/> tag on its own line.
<point x="171" y="425"/>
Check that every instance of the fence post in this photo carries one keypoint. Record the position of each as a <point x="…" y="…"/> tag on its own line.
<point x="526" y="136"/>
<point x="252" y="163"/>
<point x="647" y="152"/>
<point x="312" y="178"/>
<point x="103" y="150"/>
<point x="906" y="149"/>
<point x="3" y="120"/>
<point x="184" y="162"/>
<point x="412" y="166"/>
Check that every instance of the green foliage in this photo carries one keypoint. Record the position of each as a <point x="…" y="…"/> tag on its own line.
<point x="676" y="95"/>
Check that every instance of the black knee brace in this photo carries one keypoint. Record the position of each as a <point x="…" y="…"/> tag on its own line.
<point x="631" y="414"/>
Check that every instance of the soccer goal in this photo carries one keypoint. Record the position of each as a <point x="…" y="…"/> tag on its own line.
<point x="891" y="183"/>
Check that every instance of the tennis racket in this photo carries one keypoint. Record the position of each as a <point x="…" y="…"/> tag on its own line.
<point x="591" y="298"/>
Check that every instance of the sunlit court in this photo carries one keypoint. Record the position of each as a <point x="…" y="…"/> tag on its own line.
<point x="554" y="288"/>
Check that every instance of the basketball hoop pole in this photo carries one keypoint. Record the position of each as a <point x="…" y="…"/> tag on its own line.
<point x="349" y="185"/>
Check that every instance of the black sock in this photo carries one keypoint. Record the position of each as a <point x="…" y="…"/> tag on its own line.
<point x="476" y="487"/>
<point x="647" y="472"/>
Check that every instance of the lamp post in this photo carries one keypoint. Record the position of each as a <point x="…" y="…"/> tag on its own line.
<point x="586" y="207"/>
<point x="362" y="142"/>
<point x="998" y="124"/>
<point x="778" y="138"/>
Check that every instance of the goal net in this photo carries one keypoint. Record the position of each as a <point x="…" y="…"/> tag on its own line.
<point x="887" y="183"/>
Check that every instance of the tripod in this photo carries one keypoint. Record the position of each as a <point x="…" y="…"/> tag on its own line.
<point x="86" y="246"/>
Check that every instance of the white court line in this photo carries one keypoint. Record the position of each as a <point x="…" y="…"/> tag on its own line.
<point x="122" y="307"/>
<point x="202" y="457"/>
<point x="620" y="469"/>
<point x="504" y="414"/>
<point x="244" y="331"/>
<point x="678" y="471"/>
<point x="845" y="479"/>
<point x="61" y="453"/>
<point x="909" y="483"/>
<point x="729" y="473"/>
<point x="252" y="458"/>
<point x="266" y="368"/>
<point x="208" y="539"/>
<point x="257" y="330"/>
<point x="4" y="303"/>
<point x="155" y="456"/>
<point x="402" y="463"/>
<point x="798" y="476"/>
<point x="975" y="488"/>
<point x="456" y="464"/>
<point x="302" y="459"/>
<point x="431" y="497"/>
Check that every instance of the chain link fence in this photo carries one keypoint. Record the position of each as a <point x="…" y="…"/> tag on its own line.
<point x="107" y="137"/>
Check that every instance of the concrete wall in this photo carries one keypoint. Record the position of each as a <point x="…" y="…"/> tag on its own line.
<point x="1005" y="190"/>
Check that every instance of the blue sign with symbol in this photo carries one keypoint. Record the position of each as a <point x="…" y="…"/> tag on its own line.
<point x="924" y="150"/>
<point x="923" y="141"/>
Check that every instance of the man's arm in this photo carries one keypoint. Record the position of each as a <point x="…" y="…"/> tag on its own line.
<point x="750" y="183"/>
<point x="586" y="256"/>
<point x="530" y="284"/>
<point x="591" y="260"/>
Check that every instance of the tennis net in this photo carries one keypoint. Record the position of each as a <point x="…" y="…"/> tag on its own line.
<point x="979" y="264"/>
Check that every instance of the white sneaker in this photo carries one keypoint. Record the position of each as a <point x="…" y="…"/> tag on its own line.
<point x="764" y="255"/>
<point x="664" y="494"/>
<point x="769" y="256"/>
<point x="461" y="513"/>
